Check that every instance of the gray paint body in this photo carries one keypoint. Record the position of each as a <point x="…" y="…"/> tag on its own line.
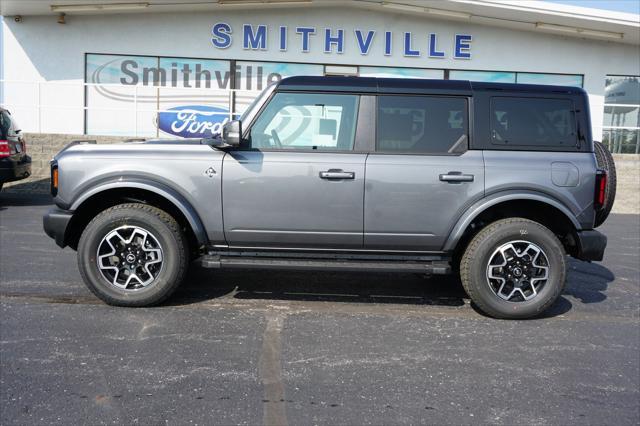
<point x="277" y="199"/>
<point x="175" y="172"/>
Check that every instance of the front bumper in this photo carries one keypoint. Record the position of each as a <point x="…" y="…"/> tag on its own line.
<point x="55" y="223"/>
<point x="590" y="245"/>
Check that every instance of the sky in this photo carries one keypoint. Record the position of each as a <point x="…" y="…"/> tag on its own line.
<point x="628" y="6"/>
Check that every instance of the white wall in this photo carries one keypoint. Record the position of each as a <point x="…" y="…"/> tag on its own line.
<point x="39" y="49"/>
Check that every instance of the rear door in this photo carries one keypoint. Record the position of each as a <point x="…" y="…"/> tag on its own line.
<point x="300" y="182"/>
<point x="422" y="175"/>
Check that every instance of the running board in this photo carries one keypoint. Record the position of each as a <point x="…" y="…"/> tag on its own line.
<point x="426" y="267"/>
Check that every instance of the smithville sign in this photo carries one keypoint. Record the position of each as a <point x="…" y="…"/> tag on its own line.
<point x="254" y="37"/>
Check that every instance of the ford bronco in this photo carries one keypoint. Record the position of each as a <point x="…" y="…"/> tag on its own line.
<point x="496" y="182"/>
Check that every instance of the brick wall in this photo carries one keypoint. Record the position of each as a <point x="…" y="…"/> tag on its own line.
<point x="43" y="146"/>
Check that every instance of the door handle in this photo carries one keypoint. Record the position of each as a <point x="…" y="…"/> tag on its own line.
<point x="456" y="177"/>
<point x="337" y="174"/>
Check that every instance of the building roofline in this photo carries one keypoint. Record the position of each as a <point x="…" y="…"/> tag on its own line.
<point x="528" y="15"/>
<point x="557" y="9"/>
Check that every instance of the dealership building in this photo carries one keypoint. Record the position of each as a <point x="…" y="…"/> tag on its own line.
<point x="164" y="68"/>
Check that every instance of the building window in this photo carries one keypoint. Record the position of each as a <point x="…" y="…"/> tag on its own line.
<point x="486" y="76"/>
<point x="518" y="77"/>
<point x="550" y="79"/>
<point x="388" y="72"/>
<point x="621" y="127"/>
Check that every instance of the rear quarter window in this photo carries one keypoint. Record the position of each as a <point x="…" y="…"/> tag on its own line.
<point x="533" y="122"/>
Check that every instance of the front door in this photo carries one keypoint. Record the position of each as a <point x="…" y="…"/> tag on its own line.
<point x="298" y="183"/>
<point x="421" y="177"/>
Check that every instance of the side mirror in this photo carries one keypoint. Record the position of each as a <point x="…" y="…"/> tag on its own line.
<point x="232" y="133"/>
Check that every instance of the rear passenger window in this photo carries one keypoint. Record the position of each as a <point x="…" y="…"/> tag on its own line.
<point x="533" y="122"/>
<point x="422" y="124"/>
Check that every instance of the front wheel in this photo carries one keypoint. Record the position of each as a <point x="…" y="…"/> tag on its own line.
<point x="514" y="268"/>
<point x="133" y="255"/>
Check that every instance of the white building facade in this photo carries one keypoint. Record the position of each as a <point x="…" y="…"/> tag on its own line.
<point x="164" y="69"/>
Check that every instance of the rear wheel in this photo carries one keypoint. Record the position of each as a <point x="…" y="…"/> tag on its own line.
<point x="514" y="268"/>
<point x="133" y="255"/>
<point x="606" y="163"/>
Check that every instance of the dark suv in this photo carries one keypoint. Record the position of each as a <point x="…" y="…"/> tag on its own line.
<point x="496" y="182"/>
<point x="15" y="164"/>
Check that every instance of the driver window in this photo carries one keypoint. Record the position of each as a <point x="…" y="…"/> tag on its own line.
<point x="306" y="121"/>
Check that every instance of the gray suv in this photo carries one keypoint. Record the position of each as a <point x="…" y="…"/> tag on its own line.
<point x="497" y="182"/>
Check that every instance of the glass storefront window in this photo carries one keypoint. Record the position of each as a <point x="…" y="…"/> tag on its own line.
<point x="255" y="76"/>
<point x="154" y="96"/>
<point x="387" y="72"/>
<point x="258" y="75"/>
<point x="622" y="90"/>
<point x="551" y="79"/>
<point x="622" y="114"/>
<point x="486" y="76"/>
<point x="621" y="141"/>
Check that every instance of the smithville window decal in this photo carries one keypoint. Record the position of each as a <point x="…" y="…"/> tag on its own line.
<point x="174" y="96"/>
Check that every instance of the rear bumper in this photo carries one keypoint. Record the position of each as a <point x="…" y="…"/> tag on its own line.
<point x="590" y="245"/>
<point x="12" y="170"/>
<point x="55" y="223"/>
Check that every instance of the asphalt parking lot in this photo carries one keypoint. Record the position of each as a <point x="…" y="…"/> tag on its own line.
<point x="299" y="348"/>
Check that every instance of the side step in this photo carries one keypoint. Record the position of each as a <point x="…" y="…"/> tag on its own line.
<point x="237" y="262"/>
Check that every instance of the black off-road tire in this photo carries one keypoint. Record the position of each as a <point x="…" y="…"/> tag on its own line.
<point x="476" y="258"/>
<point x="165" y="230"/>
<point x="606" y="163"/>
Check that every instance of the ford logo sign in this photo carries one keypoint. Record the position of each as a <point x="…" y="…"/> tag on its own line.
<point x="193" y="121"/>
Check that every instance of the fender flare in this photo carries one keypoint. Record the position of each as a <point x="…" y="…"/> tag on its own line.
<point x="480" y="206"/>
<point x="160" y="189"/>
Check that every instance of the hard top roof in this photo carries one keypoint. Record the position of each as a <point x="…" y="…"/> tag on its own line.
<point x="410" y="85"/>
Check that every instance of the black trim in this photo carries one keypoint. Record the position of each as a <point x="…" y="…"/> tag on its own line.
<point x="55" y="223"/>
<point x="433" y="265"/>
<point x="590" y="245"/>
<point x="365" y="131"/>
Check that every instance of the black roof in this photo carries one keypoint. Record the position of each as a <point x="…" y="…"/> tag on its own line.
<point x="410" y="85"/>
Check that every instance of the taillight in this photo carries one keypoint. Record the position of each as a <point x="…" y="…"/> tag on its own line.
<point x="601" y="189"/>
<point x="54" y="180"/>
<point x="5" y="151"/>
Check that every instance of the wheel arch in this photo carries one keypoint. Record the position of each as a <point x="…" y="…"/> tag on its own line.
<point x="108" y="194"/>
<point x="534" y="206"/>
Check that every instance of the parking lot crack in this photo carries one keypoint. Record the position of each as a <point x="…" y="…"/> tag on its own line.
<point x="274" y="411"/>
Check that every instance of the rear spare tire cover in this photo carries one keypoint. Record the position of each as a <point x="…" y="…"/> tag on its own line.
<point x="606" y="163"/>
